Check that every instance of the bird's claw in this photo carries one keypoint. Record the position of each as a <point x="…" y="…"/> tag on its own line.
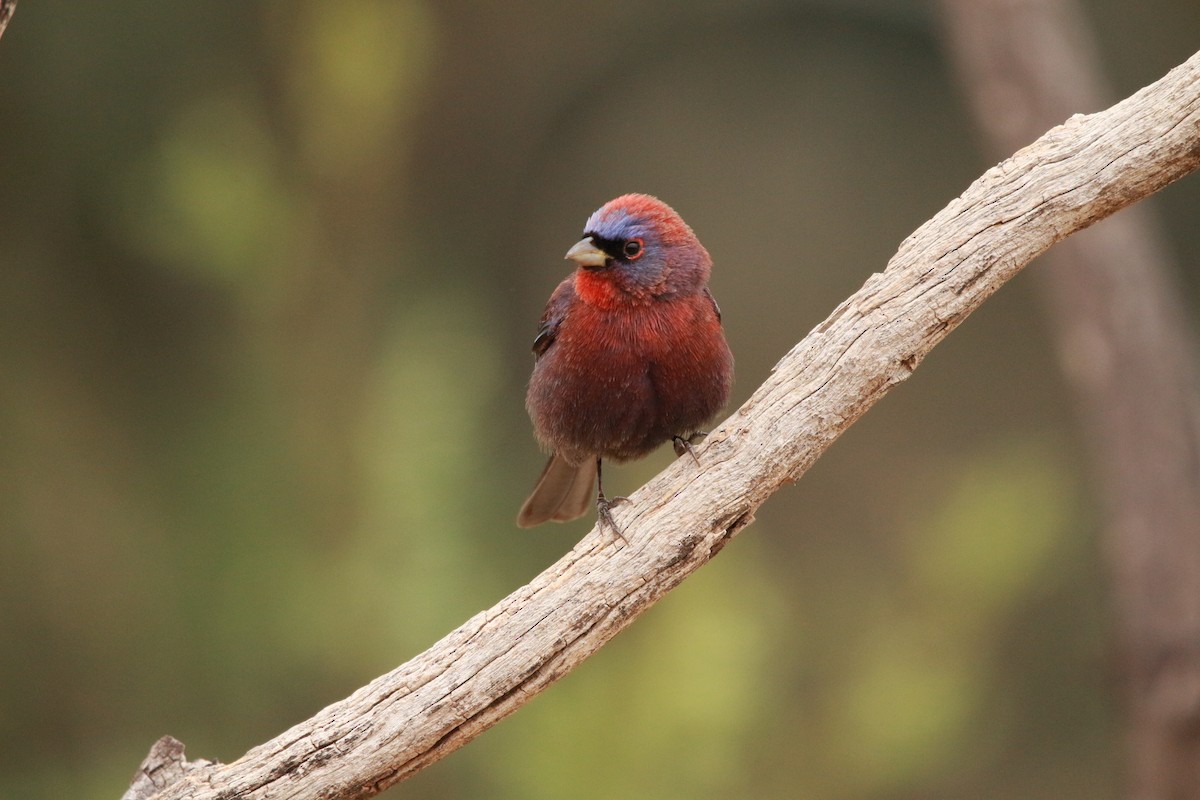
<point x="604" y="512"/>
<point x="683" y="445"/>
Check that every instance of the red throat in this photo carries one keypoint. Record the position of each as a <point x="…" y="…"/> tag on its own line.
<point x="597" y="290"/>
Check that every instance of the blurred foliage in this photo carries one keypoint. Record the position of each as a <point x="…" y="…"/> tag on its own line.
<point x="268" y="276"/>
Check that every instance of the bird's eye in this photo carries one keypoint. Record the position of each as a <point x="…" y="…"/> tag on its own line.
<point x="632" y="249"/>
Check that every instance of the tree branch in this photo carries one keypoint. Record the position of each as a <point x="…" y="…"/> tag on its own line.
<point x="1126" y="345"/>
<point x="7" y="7"/>
<point x="1076" y="174"/>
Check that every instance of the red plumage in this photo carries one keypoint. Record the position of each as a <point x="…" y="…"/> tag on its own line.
<point x="630" y="353"/>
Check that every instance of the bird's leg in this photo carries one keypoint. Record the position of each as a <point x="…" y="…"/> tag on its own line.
<point x="683" y="445"/>
<point x="604" y="505"/>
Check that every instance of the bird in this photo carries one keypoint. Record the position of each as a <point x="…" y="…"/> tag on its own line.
<point x="629" y="354"/>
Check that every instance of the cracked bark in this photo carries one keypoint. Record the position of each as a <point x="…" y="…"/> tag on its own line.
<point x="1076" y="174"/>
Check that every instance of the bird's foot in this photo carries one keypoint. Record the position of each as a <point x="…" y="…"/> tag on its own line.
<point x="604" y="512"/>
<point x="683" y="445"/>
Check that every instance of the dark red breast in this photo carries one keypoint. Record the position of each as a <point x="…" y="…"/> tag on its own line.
<point x="620" y="377"/>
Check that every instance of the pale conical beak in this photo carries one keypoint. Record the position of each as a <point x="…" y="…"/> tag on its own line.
<point x="586" y="254"/>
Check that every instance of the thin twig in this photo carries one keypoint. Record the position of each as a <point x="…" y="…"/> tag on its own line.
<point x="7" y="7"/>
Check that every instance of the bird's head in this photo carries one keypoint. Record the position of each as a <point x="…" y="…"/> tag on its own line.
<point x="642" y="246"/>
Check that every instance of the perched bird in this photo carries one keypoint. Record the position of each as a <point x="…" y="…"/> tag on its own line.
<point x="629" y="354"/>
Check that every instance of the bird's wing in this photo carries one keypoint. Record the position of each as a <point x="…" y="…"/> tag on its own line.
<point x="713" y="300"/>
<point x="553" y="316"/>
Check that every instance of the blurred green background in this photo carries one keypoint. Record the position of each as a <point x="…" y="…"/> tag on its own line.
<point x="269" y="273"/>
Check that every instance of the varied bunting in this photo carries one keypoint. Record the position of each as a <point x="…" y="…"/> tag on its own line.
<point x="629" y="354"/>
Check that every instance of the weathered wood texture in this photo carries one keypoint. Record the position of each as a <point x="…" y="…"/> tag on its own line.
<point x="1074" y="175"/>
<point x="1132" y="357"/>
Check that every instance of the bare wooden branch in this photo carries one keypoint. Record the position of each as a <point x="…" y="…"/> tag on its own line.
<point x="1128" y="349"/>
<point x="163" y="767"/>
<point x="7" y="7"/>
<point x="1077" y="173"/>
